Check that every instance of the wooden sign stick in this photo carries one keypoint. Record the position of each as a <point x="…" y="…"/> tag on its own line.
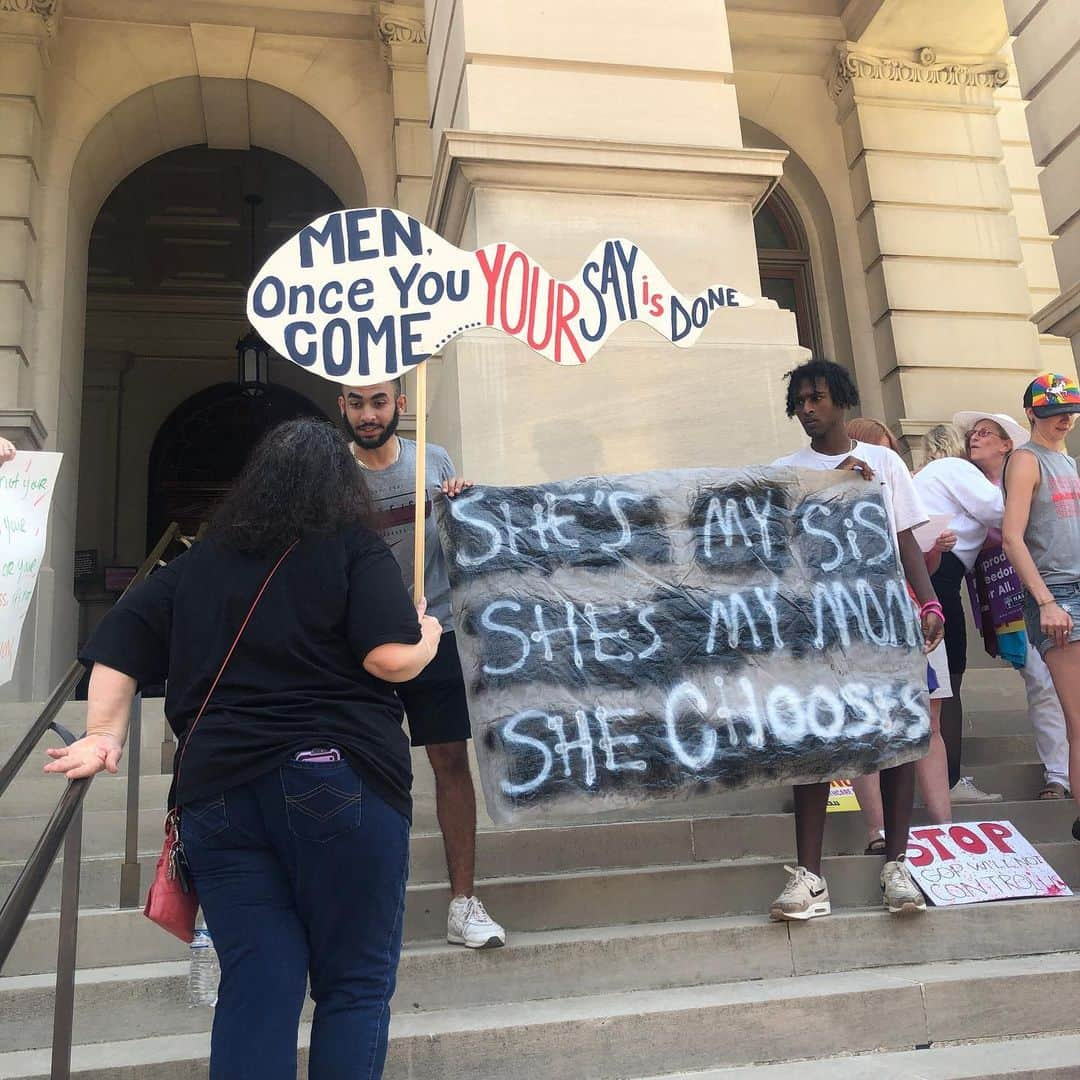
<point x="421" y="481"/>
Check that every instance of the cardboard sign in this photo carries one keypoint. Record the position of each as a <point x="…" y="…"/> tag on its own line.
<point x="927" y="533"/>
<point x="656" y="636"/>
<point x="362" y="296"/>
<point x="842" y="797"/>
<point x="976" y="861"/>
<point x="26" y="489"/>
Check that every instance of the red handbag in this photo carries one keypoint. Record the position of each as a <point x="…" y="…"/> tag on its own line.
<point x="172" y="902"/>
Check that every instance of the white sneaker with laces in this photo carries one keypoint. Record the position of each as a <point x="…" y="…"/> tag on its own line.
<point x="806" y="896"/>
<point x="965" y="791"/>
<point x="468" y="924"/>
<point x="898" y="889"/>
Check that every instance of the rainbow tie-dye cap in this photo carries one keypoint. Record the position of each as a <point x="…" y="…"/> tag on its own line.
<point x="1051" y="394"/>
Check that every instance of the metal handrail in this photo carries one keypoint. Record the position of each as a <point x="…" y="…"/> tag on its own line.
<point x="67" y="684"/>
<point x="24" y="892"/>
<point x="65" y="826"/>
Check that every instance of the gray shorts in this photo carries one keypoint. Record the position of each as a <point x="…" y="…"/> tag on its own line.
<point x="1067" y="597"/>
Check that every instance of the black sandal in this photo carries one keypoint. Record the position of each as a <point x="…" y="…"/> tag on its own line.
<point x="877" y="845"/>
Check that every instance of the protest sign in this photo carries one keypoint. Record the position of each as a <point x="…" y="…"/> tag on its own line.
<point x="659" y="635"/>
<point x="26" y="489"/>
<point x="361" y="296"/>
<point x="842" y="797"/>
<point x="978" y="861"/>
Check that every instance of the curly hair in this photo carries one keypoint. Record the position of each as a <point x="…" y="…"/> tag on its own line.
<point x="841" y="386"/>
<point x="944" y="441"/>
<point x="868" y="430"/>
<point x="300" y="480"/>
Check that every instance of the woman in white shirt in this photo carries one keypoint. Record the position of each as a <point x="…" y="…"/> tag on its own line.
<point x="953" y="485"/>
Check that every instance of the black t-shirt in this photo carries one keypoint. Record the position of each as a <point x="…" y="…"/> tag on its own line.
<point x="296" y="679"/>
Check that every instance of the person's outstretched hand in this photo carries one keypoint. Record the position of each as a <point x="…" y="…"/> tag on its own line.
<point x="86" y="757"/>
<point x="7" y="450"/>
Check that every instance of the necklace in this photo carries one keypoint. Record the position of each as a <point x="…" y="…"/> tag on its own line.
<point x="368" y="468"/>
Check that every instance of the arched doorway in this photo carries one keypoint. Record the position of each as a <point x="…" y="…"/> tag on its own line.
<point x="203" y="445"/>
<point x="165" y="426"/>
<point x="784" y="265"/>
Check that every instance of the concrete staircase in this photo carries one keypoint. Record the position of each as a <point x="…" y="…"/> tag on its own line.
<point x="637" y="946"/>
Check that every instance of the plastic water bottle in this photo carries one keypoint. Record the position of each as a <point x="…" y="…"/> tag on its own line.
<point x="205" y="971"/>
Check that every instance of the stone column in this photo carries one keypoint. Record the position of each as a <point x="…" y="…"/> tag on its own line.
<point x="404" y="39"/>
<point x="26" y="30"/>
<point x="567" y="125"/>
<point x="940" y="245"/>
<point x="1047" y="53"/>
<point x="26" y="27"/>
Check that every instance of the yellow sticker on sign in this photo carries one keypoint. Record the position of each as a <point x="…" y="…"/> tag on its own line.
<point x="842" y="796"/>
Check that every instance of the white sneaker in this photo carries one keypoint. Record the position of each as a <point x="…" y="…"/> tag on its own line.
<point x="965" y="791"/>
<point x="468" y="924"/>
<point x="898" y="889"/>
<point x="806" y="896"/>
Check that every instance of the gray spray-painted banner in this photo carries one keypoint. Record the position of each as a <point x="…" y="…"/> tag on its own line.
<point x="666" y="634"/>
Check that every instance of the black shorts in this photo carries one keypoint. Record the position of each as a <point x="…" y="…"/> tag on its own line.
<point x="948" y="581"/>
<point x="434" y="701"/>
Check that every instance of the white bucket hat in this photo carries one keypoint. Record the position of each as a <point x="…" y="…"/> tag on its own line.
<point x="967" y="419"/>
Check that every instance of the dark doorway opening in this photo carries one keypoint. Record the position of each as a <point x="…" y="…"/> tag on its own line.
<point x="203" y="445"/>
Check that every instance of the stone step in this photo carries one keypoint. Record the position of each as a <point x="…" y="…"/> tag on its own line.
<point x="38" y="794"/>
<point x="111" y="1002"/>
<point x="640" y="1032"/>
<point x="506" y="852"/>
<point x="984" y="749"/>
<point x="996" y="687"/>
<point x="598" y="897"/>
<point x="650" y="894"/>
<point x="1046" y="1057"/>
<point x="596" y="847"/>
<point x="537" y="851"/>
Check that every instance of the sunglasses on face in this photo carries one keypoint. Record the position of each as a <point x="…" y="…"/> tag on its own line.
<point x="984" y="433"/>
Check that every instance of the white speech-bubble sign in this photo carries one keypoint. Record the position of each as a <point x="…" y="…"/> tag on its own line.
<point x="361" y="296"/>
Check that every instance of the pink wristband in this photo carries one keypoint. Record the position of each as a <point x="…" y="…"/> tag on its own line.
<point x="932" y="607"/>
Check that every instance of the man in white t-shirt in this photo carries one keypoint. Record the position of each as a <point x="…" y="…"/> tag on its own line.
<point x="819" y="394"/>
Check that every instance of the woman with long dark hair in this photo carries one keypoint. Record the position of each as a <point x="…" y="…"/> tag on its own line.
<point x="293" y="786"/>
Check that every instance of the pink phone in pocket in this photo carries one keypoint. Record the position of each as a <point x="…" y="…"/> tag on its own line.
<point x="318" y="757"/>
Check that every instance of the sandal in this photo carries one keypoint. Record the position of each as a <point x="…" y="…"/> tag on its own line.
<point x="1053" y="791"/>
<point x="876" y="846"/>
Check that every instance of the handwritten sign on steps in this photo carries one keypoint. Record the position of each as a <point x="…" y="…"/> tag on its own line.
<point x="660" y="635"/>
<point x="976" y="861"/>
<point x="361" y="296"/>
<point x="26" y="489"/>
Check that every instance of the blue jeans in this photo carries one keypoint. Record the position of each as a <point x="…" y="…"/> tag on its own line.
<point x="1068" y="597"/>
<point x="300" y="871"/>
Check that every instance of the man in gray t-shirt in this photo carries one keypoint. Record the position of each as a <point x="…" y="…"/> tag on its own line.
<point x="393" y="491"/>
<point x="434" y="701"/>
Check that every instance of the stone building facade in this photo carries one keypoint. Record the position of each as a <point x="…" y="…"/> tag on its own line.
<point x="866" y="164"/>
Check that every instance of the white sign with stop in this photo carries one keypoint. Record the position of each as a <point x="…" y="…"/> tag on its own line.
<point x="971" y="862"/>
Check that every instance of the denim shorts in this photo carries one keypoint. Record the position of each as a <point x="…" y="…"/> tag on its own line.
<point x="1068" y="598"/>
